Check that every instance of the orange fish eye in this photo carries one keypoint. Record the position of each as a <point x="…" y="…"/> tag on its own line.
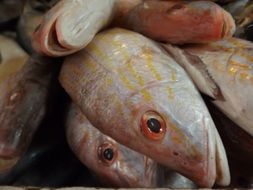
<point x="153" y="126"/>
<point x="107" y="154"/>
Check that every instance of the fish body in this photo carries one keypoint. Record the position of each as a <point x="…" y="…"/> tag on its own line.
<point x="223" y="70"/>
<point x="23" y="94"/>
<point x="114" y="164"/>
<point x="133" y="91"/>
<point x="180" y="22"/>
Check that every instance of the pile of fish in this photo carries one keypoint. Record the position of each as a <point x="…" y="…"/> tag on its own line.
<point x="156" y="93"/>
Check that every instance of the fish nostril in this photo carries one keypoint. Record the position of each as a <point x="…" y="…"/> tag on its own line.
<point x="175" y="153"/>
<point x="175" y="8"/>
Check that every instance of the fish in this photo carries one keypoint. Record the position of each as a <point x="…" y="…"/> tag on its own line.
<point x="222" y="70"/>
<point x="71" y="25"/>
<point x="174" y="180"/>
<point x="114" y="164"/>
<point x="242" y="12"/>
<point x="180" y="22"/>
<point x="133" y="91"/>
<point x="24" y="88"/>
<point x="30" y="19"/>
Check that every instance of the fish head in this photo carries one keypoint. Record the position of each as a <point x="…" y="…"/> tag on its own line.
<point x="114" y="164"/>
<point x="173" y="126"/>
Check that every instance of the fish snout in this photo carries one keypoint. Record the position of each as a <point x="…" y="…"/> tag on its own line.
<point x="201" y="156"/>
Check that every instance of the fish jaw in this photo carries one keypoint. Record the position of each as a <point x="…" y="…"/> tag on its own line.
<point x="174" y="21"/>
<point x="70" y="25"/>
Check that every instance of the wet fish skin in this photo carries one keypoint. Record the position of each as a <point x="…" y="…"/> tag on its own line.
<point x="70" y="25"/>
<point x="180" y="22"/>
<point x="122" y="81"/>
<point x="123" y="167"/>
<point x="23" y="95"/>
<point x="226" y="75"/>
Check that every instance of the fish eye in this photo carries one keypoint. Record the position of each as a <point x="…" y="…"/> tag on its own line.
<point x="107" y="153"/>
<point x="153" y="126"/>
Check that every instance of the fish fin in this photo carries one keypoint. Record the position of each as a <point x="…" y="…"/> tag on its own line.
<point x="197" y="70"/>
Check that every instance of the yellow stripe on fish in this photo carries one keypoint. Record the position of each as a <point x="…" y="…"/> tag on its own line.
<point x="122" y="48"/>
<point x="98" y="52"/>
<point x="237" y="43"/>
<point x="235" y="67"/>
<point x="170" y="93"/>
<point x="238" y="52"/>
<point x="148" y="56"/>
<point x="90" y="63"/>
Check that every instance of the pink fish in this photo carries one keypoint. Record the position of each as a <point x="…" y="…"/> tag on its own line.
<point x="114" y="164"/>
<point x="224" y="71"/>
<point x="133" y="91"/>
<point x="24" y="89"/>
<point x="180" y="22"/>
<point x="71" y="24"/>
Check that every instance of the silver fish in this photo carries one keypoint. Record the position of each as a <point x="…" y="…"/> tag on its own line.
<point x="114" y="164"/>
<point x="133" y="91"/>
<point x="224" y="71"/>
